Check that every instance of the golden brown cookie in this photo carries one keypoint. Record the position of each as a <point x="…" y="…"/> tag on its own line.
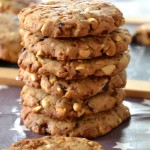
<point x="76" y="48"/>
<point x="101" y="66"/>
<point x="14" y="6"/>
<point x="79" y="88"/>
<point x="64" y="108"/>
<point x="71" y="18"/>
<point x="9" y="37"/>
<point x="88" y="127"/>
<point x="56" y="143"/>
<point x="142" y="35"/>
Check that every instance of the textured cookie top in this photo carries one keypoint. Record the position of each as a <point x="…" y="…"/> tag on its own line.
<point x="71" y="18"/>
<point x="101" y="66"/>
<point x="56" y="143"/>
<point x="70" y="109"/>
<point x="89" y="127"/>
<point x="77" y="48"/>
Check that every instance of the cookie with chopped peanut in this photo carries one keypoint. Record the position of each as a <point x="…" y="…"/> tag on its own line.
<point x="71" y="18"/>
<point x="56" y="143"/>
<point x="88" y="127"/>
<point x="9" y="37"/>
<point x="75" y="69"/>
<point x="14" y="6"/>
<point x="142" y="35"/>
<point x="76" y="48"/>
<point x="72" y="108"/>
<point x="78" y="88"/>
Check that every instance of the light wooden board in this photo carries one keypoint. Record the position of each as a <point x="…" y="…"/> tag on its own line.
<point x="137" y="20"/>
<point x="8" y="77"/>
<point x="134" y="88"/>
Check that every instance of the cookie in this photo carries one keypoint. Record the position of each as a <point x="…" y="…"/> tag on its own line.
<point x="82" y="88"/>
<point x="56" y="143"/>
<point x="14" y="6"/>
<point x="64" y="108"/>
<point x="71" y="18"/>
<point x="142" y="35"/>
<point x="88" y="127"/>
<point x="101" y="66"/>
<point x="76" y="48"/>
<point x="9" y="37"/>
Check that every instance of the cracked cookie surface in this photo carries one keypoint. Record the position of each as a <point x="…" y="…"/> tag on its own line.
<point x="88" y="127"/>
<point x="71" y="18"/>
<point x="78" y="88"/>
<point x="76" y="48"/>
<point x="101" y="66"/>
<point x="70" y="109"/>
<point x="56" y="143"/>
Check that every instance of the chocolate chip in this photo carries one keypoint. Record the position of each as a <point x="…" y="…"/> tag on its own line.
<point x="106" y="87"/>
<point x="60" y="24"/>
<point x="23" y="49"/>
<point x="43" y="37"/>
<point x="63" y="87"/>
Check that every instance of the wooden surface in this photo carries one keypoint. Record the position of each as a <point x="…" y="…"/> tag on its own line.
<point x="137" y="20"/>
<point x="134" y="88"/>
<point x="137" y="88"/>
<point x="8" y="76"/>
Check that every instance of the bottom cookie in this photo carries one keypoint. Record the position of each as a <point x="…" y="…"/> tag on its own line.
<point x="88" y="127"/>
<point x="56" y="143"/>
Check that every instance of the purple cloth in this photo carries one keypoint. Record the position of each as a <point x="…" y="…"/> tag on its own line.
<point x="132" y="134"/>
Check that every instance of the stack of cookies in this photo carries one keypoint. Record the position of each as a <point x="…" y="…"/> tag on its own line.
<point x="73" y="65"/>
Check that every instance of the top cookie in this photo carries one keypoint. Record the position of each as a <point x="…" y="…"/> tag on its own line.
<point x="71" y="18"/>
<point x="56" y="143"/>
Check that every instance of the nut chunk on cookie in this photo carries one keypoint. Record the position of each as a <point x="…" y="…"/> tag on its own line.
<point x="76" y="48"/>
<point x="87" y="127"/>
<point x="71" y="18"/>
<point x="56" y="143"/>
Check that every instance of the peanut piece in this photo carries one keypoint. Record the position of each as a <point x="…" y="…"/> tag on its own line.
<point x="45" y="103"/>
<point x="91" y="143"/>
<point x="84" y="53"/>
<point x="108" y="69"/>
<point x="93" y="22"/>
<point x="58" y="89"/>
<point x="40" y="53"/>
<point x="80" y="67"/>
<point x="117" y="38"/>
<point x="52" y="79"/>
<point x="77" y="107"/>
<point x="124" y="61"/>
<point x="37" y="109"/>
<point x="33" y="77"/>
<point x="61" y="110"/>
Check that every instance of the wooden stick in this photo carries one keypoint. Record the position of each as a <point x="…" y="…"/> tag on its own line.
<point x="137" y="88"/>
<point x="137" y="20"/>
<point x="8" y="77"/>
<point x="134" y="88"/>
